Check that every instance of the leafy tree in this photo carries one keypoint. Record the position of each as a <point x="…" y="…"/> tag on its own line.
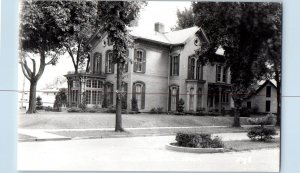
<point x="185" y="19"/>
<point x="41" y="25"/>
<point x="60" y="98"/>
<point x="250" y="34"/>
<point x="81" y="24"/>
<point x="115" y="17"/>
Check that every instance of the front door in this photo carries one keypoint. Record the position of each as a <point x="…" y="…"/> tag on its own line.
<point x="173" y="98"/>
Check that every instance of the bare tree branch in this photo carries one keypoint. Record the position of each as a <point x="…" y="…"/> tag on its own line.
<point x="24" y="71"/>
<point x="34" y="66"/>
<point x="71" y="54"/>
<point x="42" y="65"/>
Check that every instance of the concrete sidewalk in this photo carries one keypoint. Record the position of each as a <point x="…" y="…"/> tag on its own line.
<point x="50" y="134"/>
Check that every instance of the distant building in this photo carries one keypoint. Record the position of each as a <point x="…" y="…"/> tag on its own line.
<point x="164" y="69"/>
<point x="264" y="99"/>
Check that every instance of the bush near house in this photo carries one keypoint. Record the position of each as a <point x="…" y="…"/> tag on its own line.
<point x="134" y="105"/>
<point x="261" y="132"/>
<point x="158" y="110"/>
<point x="198" y="140"/>
<point x="39" y="103"/>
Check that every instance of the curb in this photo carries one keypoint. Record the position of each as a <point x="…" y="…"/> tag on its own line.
<point x="44" y="139"/>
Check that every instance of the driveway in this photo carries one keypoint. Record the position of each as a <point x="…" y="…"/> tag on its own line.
<point x="136" y="154"/>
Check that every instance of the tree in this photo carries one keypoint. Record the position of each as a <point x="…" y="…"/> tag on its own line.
<point x="247" y="32"/>
<point x="115" y="18"/>
<point x="60" y="98"/>
<point x="41" y="26"/>
<point x="185" y="19"/>
<point x="82" y="24"/>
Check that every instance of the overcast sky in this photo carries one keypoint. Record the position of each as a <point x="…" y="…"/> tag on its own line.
<point x="155" y="11"/>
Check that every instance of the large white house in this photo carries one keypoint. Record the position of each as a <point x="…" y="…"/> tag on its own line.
<point x="165" y="69"/>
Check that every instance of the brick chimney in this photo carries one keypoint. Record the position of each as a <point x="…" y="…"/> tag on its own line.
<point x="159" y="27"/>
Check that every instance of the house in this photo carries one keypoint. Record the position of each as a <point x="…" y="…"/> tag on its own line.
<point x="164" y="70"/>
<point x="264" y="99"/>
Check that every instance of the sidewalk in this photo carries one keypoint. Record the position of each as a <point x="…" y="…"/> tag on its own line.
<point x="28" y="135"/>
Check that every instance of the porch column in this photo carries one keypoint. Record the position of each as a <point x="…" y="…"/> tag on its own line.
<point x="220" y="100"/>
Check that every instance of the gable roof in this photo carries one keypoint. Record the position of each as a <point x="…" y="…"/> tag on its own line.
<point x="258" y="88"/>
<point x="170" y="38"/>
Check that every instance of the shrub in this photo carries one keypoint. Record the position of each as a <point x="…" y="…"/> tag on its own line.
<point x="111" y="109"/>
<point x="198" y="140"/>
<point x="60" y="98"/>
<point x="261" y="132"/>
<point x="245" y="112"/>
<point x="158" y="110"/>
<point x="124" y="104"/>
<point x="39" y="103"/>
<point x="74" y="109"/>
<point x="153" y="111"/>
<point x="104" y="103"/>
<point x="134" y="105"/>
<point x="180" y="108"/>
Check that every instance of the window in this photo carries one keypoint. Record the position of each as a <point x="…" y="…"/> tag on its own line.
<point x="174" y="65"/>
<point x="100" y="84"/>
<point x="194" y="69"/>
<point x="268" y="106"/>
<point x="138" y="92"/>
<point x="88" y="97"/>
<point x="218" y="73"/>
<point x="94" y="97"/>
<point x="109" y="42"/>
<point x="94" y="84"/>
<point x="109" y="93"/>
<point x="109" y="62"/>
<point x="249" y="104"/>
<point x="139" y="61"/>
<point x="268" y="91"/>
<point x="191" y="99"/>
<point x="199" y="98"/>
<point x="199" y="70"/>
<point x="99" y="97"/>
<point x="88" y="83"/>
<point x="224" y="75"/>
<point x="97" y="62"/>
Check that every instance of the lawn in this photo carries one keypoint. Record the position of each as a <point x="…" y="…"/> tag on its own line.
<point x="245" y="145"/>
<point x="52" y="120"/>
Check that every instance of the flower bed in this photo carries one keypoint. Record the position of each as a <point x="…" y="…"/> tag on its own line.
<point x="196" y="143"/>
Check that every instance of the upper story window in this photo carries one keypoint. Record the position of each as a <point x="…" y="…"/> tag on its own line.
<point x="174" y="65"/>
<point x="109" y="66"/>
<point x="109" y="42"/>
<point x="221" y="74"/>
<point x="194" y="69"/>
<point x="139" y="61"/>
<point x="97" y="62"/>
<point x="268" y="91"/>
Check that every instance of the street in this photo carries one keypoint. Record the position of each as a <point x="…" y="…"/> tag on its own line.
<point x="136" y="154"/>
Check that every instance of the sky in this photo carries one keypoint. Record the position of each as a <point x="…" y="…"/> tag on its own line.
<point x="155" y="11"/>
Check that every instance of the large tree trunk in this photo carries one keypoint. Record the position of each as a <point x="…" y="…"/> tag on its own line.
<point x="32" y="97"/>
<point x="237" y="109"/>
<point x="278" y="91"/>
<point x="118" y="125"/>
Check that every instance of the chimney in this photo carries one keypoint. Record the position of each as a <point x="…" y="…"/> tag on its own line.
<point x="159" y="27"/>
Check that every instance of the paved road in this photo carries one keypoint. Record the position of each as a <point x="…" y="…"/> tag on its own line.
<point x="136" y="154"/>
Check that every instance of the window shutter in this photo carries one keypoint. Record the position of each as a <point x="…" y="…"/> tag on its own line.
<point x="112" y="94"/>
<point x="170" y="95"/>
<point x="177" y="98"/>
<point x="143" y="96"/>
<point x="178" y="64"/>
<point x="105" y="94"/>
<point x="189" y="68"/>
<point x="144" y="62"/>
<point x="133" y="91"/>
<point x="171" y="63"/>
<point x="106" y="62"/>
<point x="134" y="61"/>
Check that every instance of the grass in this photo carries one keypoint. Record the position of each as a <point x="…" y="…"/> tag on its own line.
<point x="143" y="132"/>
<point x="51" y="120"/>
<point x="246" y="145"/>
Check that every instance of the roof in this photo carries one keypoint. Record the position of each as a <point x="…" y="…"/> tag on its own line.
<point x="169" y="38"/>
<point x="258" y="88"/>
